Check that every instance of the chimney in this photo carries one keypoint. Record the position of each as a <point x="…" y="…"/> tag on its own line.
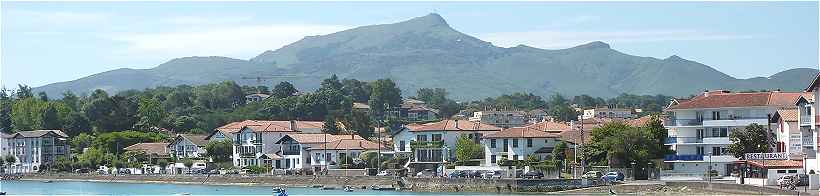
<point x="293" y="125"/>
<point x="706" y="93"/>
<point x="456" y="124"/>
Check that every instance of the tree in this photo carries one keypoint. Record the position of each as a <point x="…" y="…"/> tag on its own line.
<point x="384" y="93"/>
<point x="750" y="139"/>
<point x="71" y="100"/>
<point x="113" y="142"/>
<point x="332" y="83"/>
<point x="330" y="126"/>
<point x="162" y="163"/>
<point x="150" y="114"/>
<point x="437" y="98"/>
<point x="24" y="91"/>
<point x="559" y="152"/>
<point x="10" y="160"/>
<point x="219" y="151"/>
<point x="49" y="118"/>
<point x="184" y="123"/>
<point x="76" y="123"/>
<point x="282" y="90"/>
<point x="188" y="163"/>
<point x="5" y="111"/>
<point x="560" y="109"/>
<point x="82" y="141"/>
<point x="467" y="149"/>
<point x="26" y="114"/>
<point x="657" y="137"/>
<point x="43" y="96"/>
<point x="357" y="90"/>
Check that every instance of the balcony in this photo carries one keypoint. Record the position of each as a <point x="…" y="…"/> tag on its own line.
<point x="684" y="122"/>
<point x="683" y="140"/>
<point x="717" y="140"/>
<point x="247" y="155"/>
<point x="430" y="144"/>
<point x="805" y="120"/>
<point x="691" y="157"/>
<point x="735" y="122"/>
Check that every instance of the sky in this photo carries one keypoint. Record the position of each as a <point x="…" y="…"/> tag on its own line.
<point x="47" y="42"/>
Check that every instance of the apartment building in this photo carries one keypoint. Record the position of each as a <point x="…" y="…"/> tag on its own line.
<point x="699" y="128"/>
<point x="502" y="119"/>
<point x="296" y="150"/>
<point x="38" y="148"/>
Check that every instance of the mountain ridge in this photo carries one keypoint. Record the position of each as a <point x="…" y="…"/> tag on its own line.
<point x="426" y="52"/>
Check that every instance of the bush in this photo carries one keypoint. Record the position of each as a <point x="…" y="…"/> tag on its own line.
<point x="255" y="169"/>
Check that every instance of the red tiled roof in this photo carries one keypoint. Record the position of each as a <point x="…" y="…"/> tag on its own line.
<point x="349" y="144"/>
<point x="639" y="121"/>
<point x="314" y="138"/>
<point x="521" y="132"/>
<point x="788" y="115"/>
<point x="725" y="99"/>
<point x="197" y="139"/>
<point x="549" y="126"/>
<point x="149" y="148"/>
<point x="264" y="126"/>
<point x="455" y="125"/>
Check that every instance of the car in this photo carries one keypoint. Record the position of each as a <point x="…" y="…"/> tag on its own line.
<point x="613" y="176"/>
<point x="425" y="173"/>
<point x="492" y="175"/>
<point x="213" y="171"/>
<point x="592" y="175"/>
<point x="383" y="173"/>
<point x="786" y="181"/>
<point x="474" y="174"/>
<point x="458" y="174"/>
<point x="802" y="180"/>
<point x="534" y="175"/>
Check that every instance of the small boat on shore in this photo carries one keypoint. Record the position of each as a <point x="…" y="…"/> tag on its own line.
<point x="328" y="188"/>
<point x="382" y="188"/>
<point x="3" y="193"/>
<point x="348" y="189"/>
<point x="48" y="181"/>
<point x="279" y="191"/>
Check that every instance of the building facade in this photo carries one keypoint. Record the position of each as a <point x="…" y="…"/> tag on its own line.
<point x="433" y="144"/>
<point x="37" y="149"/>
<point x="255" y="141"/>
<point x="809" y="120"/>
<point x="699" y="128"/>
<point x="187" y="146"/>
<point x="518" y="143"/>
<point x="614" y="113"/>
<point x="502" y="119"/>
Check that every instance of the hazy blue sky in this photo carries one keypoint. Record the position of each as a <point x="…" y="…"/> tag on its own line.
<point x="45" y="42"/>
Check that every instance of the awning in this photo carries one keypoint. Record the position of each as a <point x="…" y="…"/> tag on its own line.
<point x="773" y="164"/>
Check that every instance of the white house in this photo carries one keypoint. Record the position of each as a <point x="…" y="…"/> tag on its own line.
<point x="809" y="120"/>
<point x="790" y="138"/>
<point x="34" y="149"/>
<point x="255" y="141"/>
<point x="256" y="97"/>
<point x="433" y="144"/>
<point x="295" y="149"/>
<point x="336" y="153"/>
<point x="518" y="143"/>
<point x="188" y="146"/>
<point x="699" y="128"/>
<point x="503" y="119"/>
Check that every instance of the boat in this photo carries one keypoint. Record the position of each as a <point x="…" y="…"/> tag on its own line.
<point x="3" y="193"/>
<point x="279" y="191"/>
<point x="48" y="181"/>
<point x="348" y="189"/>
<point x="379" y="188"/>
<point x="328" y="188"/>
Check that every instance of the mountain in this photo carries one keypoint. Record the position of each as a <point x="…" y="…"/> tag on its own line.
<point x="426" y="52"/>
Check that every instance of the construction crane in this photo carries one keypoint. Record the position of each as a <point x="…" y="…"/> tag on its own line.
<point x="259" y="79"/>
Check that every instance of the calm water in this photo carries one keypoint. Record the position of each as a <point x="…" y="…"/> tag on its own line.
<point x="102" y="188"/>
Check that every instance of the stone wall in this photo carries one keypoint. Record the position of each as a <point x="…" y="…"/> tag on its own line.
<point x="496" y="185"/>
<point x="264" y="180"/>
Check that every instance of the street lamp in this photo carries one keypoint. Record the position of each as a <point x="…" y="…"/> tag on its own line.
<point x="805" y="156"/>
<point x="633" y="170"/>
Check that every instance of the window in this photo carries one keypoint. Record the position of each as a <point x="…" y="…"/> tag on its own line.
<point x="700" y="150"/>
<point x="715" y="115"/>
<point x="506" y="144"/>
<point x="515" y="157"/>
<point x="492" y="158"/>
<point x="529" y="142"/>
<point x="715" y="151"/>
<point x="436" y="137"/>
<point x="724" y="132"/>
<point x="715" y="132"/>
<point x="492" y="144"/>
<point x="515" y="143"/>
<point x="421" y="138"/>
<point x="401" y="145"/>
<point x="781" y="171"/>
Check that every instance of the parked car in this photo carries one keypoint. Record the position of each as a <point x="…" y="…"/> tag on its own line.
<point x="802" y="180"/>
<point x="458" y="174"/>
<point x="592" y="175"/>
<point x="613" y="176"/>
<point x="492" y="175"/>
<point x="383" y="173"/>
<point x="425" y="173"/>
<point x="534" y="175"/>
<point x="474" y="174"/>
<point x="788" y="181"/>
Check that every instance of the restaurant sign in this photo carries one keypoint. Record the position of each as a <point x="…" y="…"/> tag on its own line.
<point x="766" y="156"/>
